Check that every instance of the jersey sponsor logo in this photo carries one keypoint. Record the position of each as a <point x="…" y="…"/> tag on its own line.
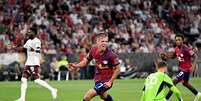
<point x="180" y="57"/>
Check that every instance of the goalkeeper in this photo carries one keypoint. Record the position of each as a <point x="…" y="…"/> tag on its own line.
<point x="156" y="82"/>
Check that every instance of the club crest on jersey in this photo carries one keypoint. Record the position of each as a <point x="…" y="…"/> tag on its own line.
<point x="93" y="61"/>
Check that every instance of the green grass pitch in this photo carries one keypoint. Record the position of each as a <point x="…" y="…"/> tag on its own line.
<point x="123" y="90"/>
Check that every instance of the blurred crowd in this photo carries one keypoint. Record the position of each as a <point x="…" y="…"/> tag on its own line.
<point x="68" y="26"/>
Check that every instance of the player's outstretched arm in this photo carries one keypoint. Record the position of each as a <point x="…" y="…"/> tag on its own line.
<point x="176" y="92"/>
<point x="23" y="48"/>
<point x="81" y="64"/>
<point x="170" y="85"/>
<point x="167" y="55"/>
<point x="19" y="48"/>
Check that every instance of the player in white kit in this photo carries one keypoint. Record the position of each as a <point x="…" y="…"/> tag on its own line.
<point x="32" y="65"/>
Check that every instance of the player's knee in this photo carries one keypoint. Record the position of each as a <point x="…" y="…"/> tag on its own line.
<point x="23" y="80"/>
<point x="175" y="82"/>
<point x="86" y="98"/>
<point x="185" y="83"/>
<point x="37" y="80"/>
<point x="23" y="83"/>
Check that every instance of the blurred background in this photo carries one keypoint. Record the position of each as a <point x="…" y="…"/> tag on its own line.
<point x="138" y="31"/>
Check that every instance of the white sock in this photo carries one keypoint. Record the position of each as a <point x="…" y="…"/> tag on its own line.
<point x="23" y="87"/>
<point x="44" y="84"/>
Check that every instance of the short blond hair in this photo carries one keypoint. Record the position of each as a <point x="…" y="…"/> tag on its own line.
<point x="101" y="35"/>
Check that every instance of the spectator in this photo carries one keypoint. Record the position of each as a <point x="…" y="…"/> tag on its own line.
<point x="54" y="68"/>
<point x="130" y="21"/>
<point x="63" y="68"/>
<point x="83" y="71"/>
<point x="65" y="27"/>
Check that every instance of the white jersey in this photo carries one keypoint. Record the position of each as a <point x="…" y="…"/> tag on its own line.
<point x="33" y="57"/>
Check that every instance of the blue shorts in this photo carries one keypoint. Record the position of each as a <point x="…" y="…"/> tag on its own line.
<point x="100" y="87"/>
<point x="183" y="76"/>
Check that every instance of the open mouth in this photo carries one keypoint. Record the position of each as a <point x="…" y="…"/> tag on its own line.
<point x="103" y="46"/>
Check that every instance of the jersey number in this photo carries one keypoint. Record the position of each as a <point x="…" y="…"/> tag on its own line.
<point x="180" y="74"/>
<point x="151" y="81"/>
<point x="32" y="69"/>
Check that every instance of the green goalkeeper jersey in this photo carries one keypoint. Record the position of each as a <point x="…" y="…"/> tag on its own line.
<point x="154" y="87"/>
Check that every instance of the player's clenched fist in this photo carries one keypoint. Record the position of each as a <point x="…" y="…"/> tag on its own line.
<point x="72" y="66"/>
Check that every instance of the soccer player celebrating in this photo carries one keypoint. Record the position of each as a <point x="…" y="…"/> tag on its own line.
<point x="32" y="65"/>
<point x="187" y="60"/>
<point x="107" y="68"/>
<point x="154" y="85"/>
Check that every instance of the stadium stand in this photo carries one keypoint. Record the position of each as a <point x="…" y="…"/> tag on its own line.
<point x="69" y="26"/>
